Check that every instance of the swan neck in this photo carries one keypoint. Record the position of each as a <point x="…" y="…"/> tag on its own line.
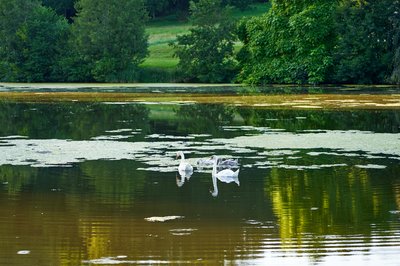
<point x="215" y="187"/>
<point x="215" y="165"/>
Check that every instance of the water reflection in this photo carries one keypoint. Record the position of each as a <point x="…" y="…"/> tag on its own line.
<point x="301" y="197"/>
<point x="324" y="204"/>
<point x="78" y="121"/>
<point x="204" y="118"/>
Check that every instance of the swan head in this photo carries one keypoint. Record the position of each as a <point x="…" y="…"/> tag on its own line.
<point x="179" y="154"/>
<point x="214" y="157"/>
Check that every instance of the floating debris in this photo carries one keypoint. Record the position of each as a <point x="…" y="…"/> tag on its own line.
<point x="24" y="252"/>
<point x="163" y="218"/>
<point x="182" y="232"/>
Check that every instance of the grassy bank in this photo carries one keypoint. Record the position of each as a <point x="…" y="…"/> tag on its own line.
<point x="160" y="65"/>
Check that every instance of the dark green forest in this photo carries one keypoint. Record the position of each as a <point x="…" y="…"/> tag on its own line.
<point x="294" y="42"/>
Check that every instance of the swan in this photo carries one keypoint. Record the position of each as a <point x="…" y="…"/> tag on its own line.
<point x="226" y="176"/>
<point x="228" y="162"/>
<point x="203" y="163"/>
<point x="185" y="169"/>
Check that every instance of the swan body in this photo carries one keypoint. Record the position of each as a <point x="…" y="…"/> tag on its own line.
<point x="226" y="176"/>
<point x="185" y="169"/>
<point x="230" y="163"/>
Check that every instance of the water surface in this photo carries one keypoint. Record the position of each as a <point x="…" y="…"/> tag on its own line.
<point x="84" y="183"/>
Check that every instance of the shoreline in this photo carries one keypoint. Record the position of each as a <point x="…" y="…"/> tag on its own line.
<point x="272" y="101"/>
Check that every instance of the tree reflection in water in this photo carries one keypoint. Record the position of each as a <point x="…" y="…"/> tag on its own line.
<point x="94" y="209"/>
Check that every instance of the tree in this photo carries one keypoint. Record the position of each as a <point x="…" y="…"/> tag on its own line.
<point x="290" y="44"/>
<point x="33" y="39"/>
<point x="363" y="52"/>
<point x="109" y="38"/>
<point x="206" y="53"/>
<point x="12" y="15"/>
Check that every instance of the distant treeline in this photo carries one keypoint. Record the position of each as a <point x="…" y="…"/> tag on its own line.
<point x="156" y="8"/>
<point x="308" y="41"/>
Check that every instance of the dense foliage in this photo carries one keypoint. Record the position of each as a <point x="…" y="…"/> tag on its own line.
<point x="156" y="8"/>
<point x="290" y="44"/>
<point x="206" y="53"/>
<point x="108" y="38"/>
<point x="32" y="41"/>
<point x="322" y="41"/>
<point x="308" y="41"/>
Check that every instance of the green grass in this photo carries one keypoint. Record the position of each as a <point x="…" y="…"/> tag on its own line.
<point x="164" y="31"/>
<point x="161" y="55"/>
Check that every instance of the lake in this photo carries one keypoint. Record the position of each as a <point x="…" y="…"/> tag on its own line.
<point x="90" y="176"/>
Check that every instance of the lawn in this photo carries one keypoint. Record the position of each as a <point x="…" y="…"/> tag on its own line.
<point x="164" y="31"/>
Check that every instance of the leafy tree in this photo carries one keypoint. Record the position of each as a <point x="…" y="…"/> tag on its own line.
<point x="32" y="41"/>
<point x="290" y="44"/>
<point x="12" y="15"/>
<point x="363" y="52"/>
<point x="109" y="38"/>
<point x="206" y="53"/>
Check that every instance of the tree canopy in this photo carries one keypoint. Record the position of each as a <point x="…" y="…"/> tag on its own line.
<point x="322" y="41"/>
<point x="109" y="37"/>
<point x="33" y="40"/>
<point x="206" y="53"/>
<point x="303" y="42"/>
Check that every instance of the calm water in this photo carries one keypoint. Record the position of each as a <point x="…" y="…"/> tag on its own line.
<point x="97" y="184"/>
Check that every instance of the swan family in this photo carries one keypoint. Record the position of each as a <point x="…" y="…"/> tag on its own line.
<point x="221" y="170"/>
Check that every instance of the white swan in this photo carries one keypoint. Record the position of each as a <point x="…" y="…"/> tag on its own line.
<point x="226" y="176"/>
<point x="228" y="162"/>
<point x="221" y="162"/>
<point x="185" y="169"/>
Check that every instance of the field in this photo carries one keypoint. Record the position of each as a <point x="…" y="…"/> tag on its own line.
<point x="160" y="64"/>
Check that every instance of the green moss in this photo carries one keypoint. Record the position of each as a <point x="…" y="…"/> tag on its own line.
<point x="284" y="101"/>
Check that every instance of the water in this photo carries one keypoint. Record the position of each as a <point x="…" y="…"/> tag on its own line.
<point x="97" y="184"/>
